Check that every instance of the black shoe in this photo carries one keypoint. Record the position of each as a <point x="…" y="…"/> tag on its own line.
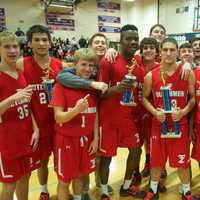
<point x="85" y="197"/>
<point x="71" y="197"/>
<point x="161" y="187"/>
<point x="188" y="196"/>
<point x="151" y="196"/>
<point x="136" y="179"/>
<point x="146" y="171"/>
<point x="131" y="191"/>
<point x="104" y="197"/>
<point x="163" y="174"/>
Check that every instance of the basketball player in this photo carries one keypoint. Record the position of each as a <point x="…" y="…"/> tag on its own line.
<point x="182" y="99"/>
<point x="19" y="133"/>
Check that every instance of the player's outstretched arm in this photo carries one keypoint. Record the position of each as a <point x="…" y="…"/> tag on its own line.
<point x="177" y="115"/>
<point x="146" y="91"/>
<point x="62" y="116"/>
<point x="94" y="144"/>
<point x="21" y="94"/>
<point x="121" y="87"/>
<point x="111" y="55"/>
<point x="191" y="126"/>
<point x="186" y="69"/>
<point x="36" y="134"/>
<point x="68" y="78"/>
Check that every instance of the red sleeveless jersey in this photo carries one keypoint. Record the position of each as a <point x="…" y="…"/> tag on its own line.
<point x="16" y="123"/>
<point x="178" y="93"/>
<point x="197" y="97"/>
<point x="33" y="74"/>
<point x="139" y="109"/>
<point x="83" y="123"/>
<point x="111" y="111"/>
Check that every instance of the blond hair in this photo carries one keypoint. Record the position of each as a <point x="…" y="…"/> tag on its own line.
<point x="86" y="54"/>
<point x="7" y="36"/>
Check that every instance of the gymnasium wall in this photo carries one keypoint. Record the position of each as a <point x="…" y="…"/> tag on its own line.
<point x="142" y="13"/>
<point x="181" y="22"/>
<point x="24" y="13"/>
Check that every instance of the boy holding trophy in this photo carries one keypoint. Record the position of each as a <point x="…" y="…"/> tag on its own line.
<point x="40" y="71"/>
<point x="169" y="133"/>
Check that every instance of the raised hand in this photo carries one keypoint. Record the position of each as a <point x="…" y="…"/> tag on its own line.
<point x="99" y="86"/>
<point x="82" y="104"/>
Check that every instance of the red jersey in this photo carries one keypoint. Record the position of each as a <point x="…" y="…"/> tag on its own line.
<point x="139" y="109"/>
<point x="83" y="123"/>
<point x="33" y="74"/>
<point x="16" y="123"/>
<point x="197" y="97"/>
<point x="111" y="111"/>
<point x="178" y="93"/>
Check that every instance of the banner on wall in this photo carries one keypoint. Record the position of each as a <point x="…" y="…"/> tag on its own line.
<point x="108" y="6"/>
<point x="109" y="19"/>
<point x="57" y="21"/>
<point x="184" y="37"/>
<point x="109" y="29"/>
<point x="2" y="19"/>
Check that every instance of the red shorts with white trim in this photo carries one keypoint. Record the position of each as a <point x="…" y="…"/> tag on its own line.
<point x="196" y="145"/>
<point x="71" y="157"/>
<point x="177" y="150"/>
<point x="13" y="170"/>
<point x="112" y="137"/>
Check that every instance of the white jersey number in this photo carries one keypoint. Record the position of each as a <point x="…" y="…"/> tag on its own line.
<point x="23" y="111"/>
<point x="43" y="98"/>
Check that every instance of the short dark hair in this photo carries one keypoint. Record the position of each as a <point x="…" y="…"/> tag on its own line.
<point x="151" y="41"/>
<point x="128" y="27"/>
<point x="96" y="35"/>
<point x="185" y="45"/>
<point x="159" y="25"/>
<point x="171" y="40"/>
<point x="37" y="29"/>
<point x="195" y="39"/>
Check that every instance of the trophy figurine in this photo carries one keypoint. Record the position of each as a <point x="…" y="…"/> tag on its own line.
<point x="127" y="97"/>
<point x="165" y="90"/>
<point x="48" y="83"/>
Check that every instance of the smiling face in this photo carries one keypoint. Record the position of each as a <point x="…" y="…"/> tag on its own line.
<point x="84" y="68"/>
<point x="158" y="33"/>
<point x="40" y="44"/>
<point x="196" y="48"/>
<point x="129" y="42"/>
<point x="9" y="51"/>
<point x="186" y="55"/>
<point x="149" y="52"/>
<point x="99" y="45"/>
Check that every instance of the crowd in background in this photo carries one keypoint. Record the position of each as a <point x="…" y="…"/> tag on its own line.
<point x="62" y="49"/>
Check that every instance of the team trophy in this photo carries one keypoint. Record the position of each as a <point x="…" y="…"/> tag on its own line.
<point x="48" y="83"/>
<point x="127" y="97"/>
<point x="165" y="90"/>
